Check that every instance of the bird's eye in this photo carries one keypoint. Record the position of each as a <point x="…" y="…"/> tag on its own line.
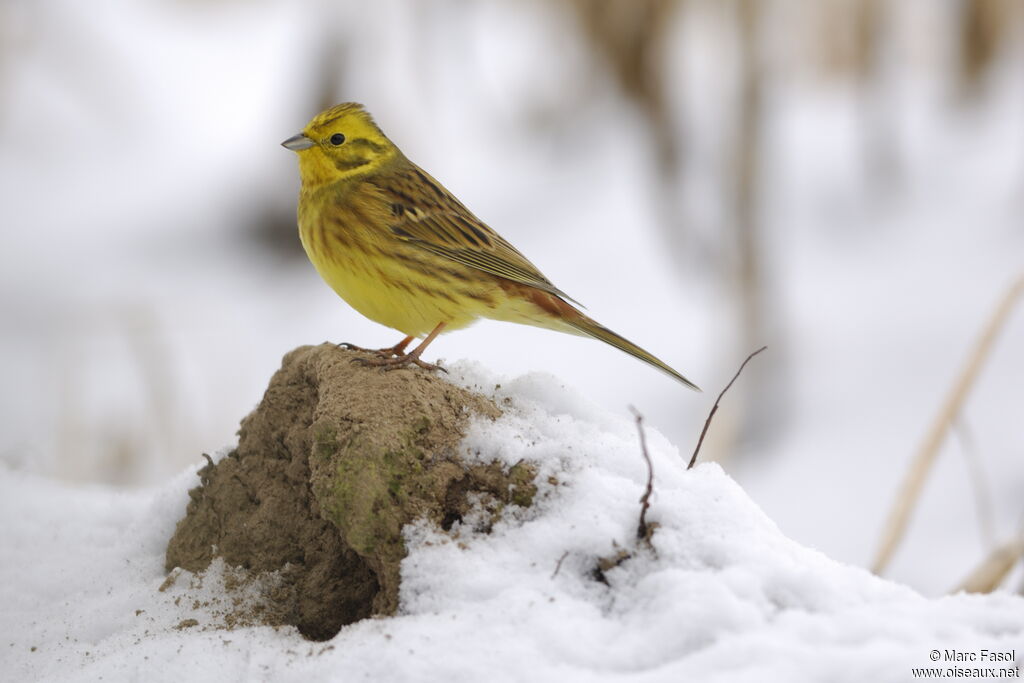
<point x="337" y="139"/>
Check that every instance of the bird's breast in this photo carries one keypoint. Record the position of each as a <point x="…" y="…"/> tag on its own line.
<point x="385" y="278"/>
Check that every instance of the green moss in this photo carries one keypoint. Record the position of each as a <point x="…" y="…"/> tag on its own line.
<point x="421" y="425"/>
<point x="374" y="495"/>
<point x="361" y="502"/>
<point x="373" y="491"/>
<point x="523" y="489"/>
<point x="325" y="442"/>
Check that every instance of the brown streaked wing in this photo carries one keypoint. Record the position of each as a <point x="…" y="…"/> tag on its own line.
<point x="428" y="216"/>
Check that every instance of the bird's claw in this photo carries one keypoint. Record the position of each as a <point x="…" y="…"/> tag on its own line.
<point x="386" y="363"/>
<point x="430" y="366"/>
<point x="382" y="353"/>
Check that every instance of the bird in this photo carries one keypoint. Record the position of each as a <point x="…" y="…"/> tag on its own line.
<point x="401" y="250"/>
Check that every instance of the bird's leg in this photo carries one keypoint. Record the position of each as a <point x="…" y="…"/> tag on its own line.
<point x="401" y="360"/>
<point x="396" y="350"/>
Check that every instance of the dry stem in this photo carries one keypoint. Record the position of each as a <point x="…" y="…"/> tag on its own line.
<point x="899" y="516"/>
<point x="992" y="571"/>
<point x="642" y="530"/>
<point x="714" y="408"/>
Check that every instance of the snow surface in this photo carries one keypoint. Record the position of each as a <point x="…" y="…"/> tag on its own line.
<point x="722" y="596"/>
<point x="139" y="323"/>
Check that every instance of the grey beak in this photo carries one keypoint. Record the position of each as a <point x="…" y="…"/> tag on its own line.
<point x="297" y="142"/>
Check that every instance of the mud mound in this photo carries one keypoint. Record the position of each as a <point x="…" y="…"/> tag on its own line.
<point x="331" y="465"/>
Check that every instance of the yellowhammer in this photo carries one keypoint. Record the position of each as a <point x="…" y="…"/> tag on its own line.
<point x="401" y="250"/>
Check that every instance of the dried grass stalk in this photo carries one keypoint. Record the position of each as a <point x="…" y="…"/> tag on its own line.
<point x="899" y="516"/>
<point x="991" y="573"/>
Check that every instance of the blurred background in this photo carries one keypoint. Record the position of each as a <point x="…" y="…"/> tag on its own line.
<point x="842" y="180"/>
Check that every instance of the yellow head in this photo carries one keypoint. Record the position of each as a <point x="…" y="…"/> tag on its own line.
<point x="340" y="143"/>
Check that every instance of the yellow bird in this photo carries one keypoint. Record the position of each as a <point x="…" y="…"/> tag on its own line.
<point x="404" y="252"/>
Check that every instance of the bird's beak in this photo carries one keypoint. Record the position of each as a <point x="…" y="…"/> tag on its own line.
<point x="297" y="142"/>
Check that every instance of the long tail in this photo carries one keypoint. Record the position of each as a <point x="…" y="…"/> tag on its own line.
<point x="593" y="329"/>
<point x="557" y="314"/>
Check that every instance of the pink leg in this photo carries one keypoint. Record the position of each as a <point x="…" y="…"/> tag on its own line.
<point x="400" y="360"/>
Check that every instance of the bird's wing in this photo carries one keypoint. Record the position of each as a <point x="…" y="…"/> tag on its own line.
<point x="428" y="216"/>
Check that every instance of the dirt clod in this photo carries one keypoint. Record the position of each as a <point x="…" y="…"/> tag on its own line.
<point x="330" y="466"/>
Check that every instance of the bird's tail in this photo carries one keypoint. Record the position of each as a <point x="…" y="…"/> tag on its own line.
<point x="590" y="328"/>
<point x="546" y="309"/>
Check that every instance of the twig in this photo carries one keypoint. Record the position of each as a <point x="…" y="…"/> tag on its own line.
<point x="714" y="408"/>
<point x="559" y="565"/>
<point x="899" y="516"/>
<point x="642" y="530"/>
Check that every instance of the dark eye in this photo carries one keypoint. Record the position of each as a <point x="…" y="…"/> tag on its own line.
<point x="337" y="139"/>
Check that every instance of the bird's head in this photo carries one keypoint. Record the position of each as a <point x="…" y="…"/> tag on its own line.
<point x="340" y="143"/>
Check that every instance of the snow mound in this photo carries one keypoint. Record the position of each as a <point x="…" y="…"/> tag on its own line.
<point x="720" y="595"/>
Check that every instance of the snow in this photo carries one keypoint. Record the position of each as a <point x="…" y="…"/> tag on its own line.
<point x="721" y="595"/>
<point x="140" y="324"/>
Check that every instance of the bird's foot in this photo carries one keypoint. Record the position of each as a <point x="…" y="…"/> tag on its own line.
<point x="390" y="352"/>
<point x="394" y="362"/>
<point x="352" y="347"/>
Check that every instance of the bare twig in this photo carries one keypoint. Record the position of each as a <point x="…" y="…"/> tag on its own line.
<point x="714" y="408"/>
<point x="642" y="530"/>
<point x="558" y="566"/>
<point x="899" y="516"/>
